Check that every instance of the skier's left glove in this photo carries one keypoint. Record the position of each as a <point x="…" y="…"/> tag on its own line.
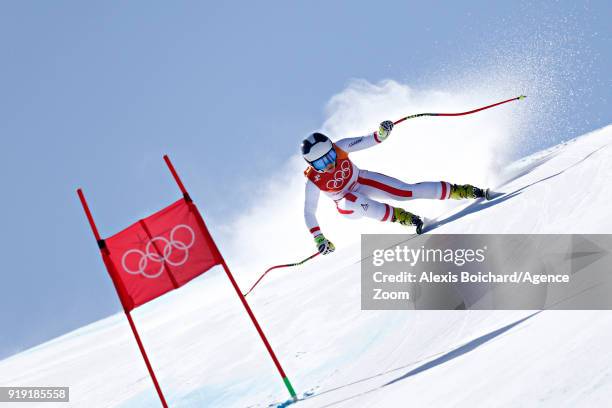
<point x="324" y="245"/>
<point x="384" y="130"/>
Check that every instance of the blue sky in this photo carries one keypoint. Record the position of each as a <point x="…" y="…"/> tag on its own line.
<point x="94" y="93"/>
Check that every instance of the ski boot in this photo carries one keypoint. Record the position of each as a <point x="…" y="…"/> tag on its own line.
<point x="459" y="192"/>
<point x="406" y="218"/>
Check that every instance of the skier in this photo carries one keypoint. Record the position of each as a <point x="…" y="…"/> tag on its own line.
<point x="355" y="191"/>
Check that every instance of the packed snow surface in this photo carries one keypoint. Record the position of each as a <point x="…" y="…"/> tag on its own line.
<point x="207" y="353"/>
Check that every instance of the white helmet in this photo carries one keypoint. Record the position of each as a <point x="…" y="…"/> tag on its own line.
<point x="318" y="151"/>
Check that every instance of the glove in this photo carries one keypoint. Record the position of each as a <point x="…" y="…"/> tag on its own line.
<point x="324" y="245"/>
<point x="384" y="130"/>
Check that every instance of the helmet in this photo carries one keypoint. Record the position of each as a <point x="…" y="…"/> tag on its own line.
<point x="318" y="151"/>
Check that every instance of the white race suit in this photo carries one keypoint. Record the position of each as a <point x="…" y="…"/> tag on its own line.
<point x="356" y="191"/>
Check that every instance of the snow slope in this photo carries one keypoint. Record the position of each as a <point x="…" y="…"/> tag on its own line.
<point x="206" y="352"/>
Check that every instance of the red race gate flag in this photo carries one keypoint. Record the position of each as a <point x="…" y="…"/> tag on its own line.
<point x="163" y="252"/>
<point x="160" y="253"/>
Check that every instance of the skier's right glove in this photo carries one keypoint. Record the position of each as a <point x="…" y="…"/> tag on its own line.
<point x="324" y="245"/>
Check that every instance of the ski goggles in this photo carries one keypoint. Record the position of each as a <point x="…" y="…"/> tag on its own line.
<point x="322" y="162"/>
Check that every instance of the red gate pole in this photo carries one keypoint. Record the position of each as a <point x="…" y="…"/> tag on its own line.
<point x="104" y="253"/>
<point x="212" y="244"/>
<point x="146" y="360"/>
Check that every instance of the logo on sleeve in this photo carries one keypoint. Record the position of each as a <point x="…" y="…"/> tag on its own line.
<point x="354" y="142"/>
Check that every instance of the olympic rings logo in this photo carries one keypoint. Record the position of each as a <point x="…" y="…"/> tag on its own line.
<point x="151" y="254"/>
<point x="340" y="176"/>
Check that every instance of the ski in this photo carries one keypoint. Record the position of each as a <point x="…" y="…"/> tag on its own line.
<point x="492" y="195"/>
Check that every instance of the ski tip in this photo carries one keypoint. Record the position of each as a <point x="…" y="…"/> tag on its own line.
<point x="521" y="97"/>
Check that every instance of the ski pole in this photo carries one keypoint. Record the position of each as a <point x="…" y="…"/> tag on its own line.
<point x="280" y="266"/>
<point x="518" y="98"/>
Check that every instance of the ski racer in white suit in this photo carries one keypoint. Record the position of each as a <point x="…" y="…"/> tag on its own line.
<point x="356" y="191"/>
